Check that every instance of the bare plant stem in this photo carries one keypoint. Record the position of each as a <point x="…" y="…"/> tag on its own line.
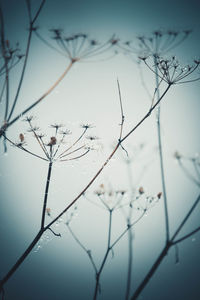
<point x="21" y="259"/>
<point x="46" y="194"/>
<point x="8" y="124"/>
<point x="22" y="74"/>
<point x="161" y="155"/>
<point x="40" y="99"/>
<point x="164" y="252"/>
<point x="83" y="247"/>
<point x="37" y="237"/>
<point x="130" y="262"/>
<point x="98" y="274"/>
<point x="31" y="28"/>
<point x="130" y="234"/>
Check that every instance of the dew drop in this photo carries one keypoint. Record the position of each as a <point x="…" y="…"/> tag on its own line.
<point x="38" y="247"/>
<point x="21" y="118"/>
<point x="193" y="239"/>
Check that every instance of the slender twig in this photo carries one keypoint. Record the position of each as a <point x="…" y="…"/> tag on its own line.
<point x="187" y="173"/>
<point x="88" y="252"/>
<point x="186" y="236"/>
<point x="40" y="142"/>
<point x="186" y="218"/>
<point x="76" y="141"/>
<point x="56" y="234"/>
<point x="196" y="169"/>
<point x="127" y="228"/>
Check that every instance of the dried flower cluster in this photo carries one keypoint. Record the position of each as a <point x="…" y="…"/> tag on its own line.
<point x="158" y="43"/>
<point x="78" y="46"/>
<point x="53" y="147"/>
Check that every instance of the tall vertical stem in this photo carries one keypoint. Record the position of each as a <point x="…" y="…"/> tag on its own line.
<point x="46" y="194"/>
<point x="130" y="261"/>
<point x="130" y="235"/>
<point x="161" y="154"/>
<point x="98" y="274"/>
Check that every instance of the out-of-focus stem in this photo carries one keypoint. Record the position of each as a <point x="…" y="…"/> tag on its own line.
<point x="161" y="154"/>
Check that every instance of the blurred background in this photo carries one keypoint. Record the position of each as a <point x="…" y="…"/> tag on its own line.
<point x="58" y="268"/>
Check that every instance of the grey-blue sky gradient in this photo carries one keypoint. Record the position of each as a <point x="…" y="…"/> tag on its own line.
<point x="60" y="269"/>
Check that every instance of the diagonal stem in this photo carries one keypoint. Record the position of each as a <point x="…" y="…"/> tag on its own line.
<point x="21" y="259"/>
<point x="164" y="252"/>
<point x="3" y="128"/>
<point x="37" y="237"/>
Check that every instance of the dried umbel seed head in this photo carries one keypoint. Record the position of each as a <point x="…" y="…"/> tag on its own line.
<point x="21" y="137"/>
<point x="122" y="192"/>
<point x="99" y="192"/>
<point x="56" y="126"/>
<point x="52" y="141"/>
<point x="110" y="193"/>
<point x="92" y="137"/>
<point x="114" y="41"/>
<point x="141" y="190"/>
<point x="159" y="195"/>
<point x="177" y="155"/>
<point x="79" y="46"/>
<point x="86" y="126"/>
